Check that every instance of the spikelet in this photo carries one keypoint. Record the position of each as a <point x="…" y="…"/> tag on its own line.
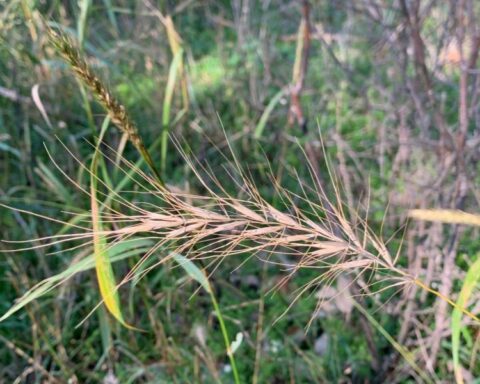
<point x="117" y="112"/>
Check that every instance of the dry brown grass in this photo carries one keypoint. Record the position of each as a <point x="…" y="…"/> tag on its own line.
<point x="216" y="225"/>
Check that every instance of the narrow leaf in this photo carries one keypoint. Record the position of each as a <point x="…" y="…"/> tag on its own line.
<point x="471" y="280"/>
<point x="167" y="103"/>
<point x="268" y="111"/>
<point x="450" y="216"/>
<point x="117" y="252"/>
<point x="192" y="270"/>
<point x="406" y="354"/>
<point x="103" y="266"/>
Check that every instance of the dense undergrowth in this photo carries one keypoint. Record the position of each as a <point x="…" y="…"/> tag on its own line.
<point x="249" y="191"/>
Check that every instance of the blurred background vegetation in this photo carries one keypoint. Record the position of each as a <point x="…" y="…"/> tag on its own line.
<point x="388" y="88"/>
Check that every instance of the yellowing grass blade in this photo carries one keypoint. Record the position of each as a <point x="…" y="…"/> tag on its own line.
<point x="105" y="277"/>
<point x="167" y="105"/>
<point x="103" y="266"/>
<point x="471" y="280"/>
<point x="117" y="252"/>
<point x="450" y="216"/>
<point x="297" y="66"/>
<point x="175" y="43"/>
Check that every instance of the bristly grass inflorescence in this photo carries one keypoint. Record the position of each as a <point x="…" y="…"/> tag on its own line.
<point x="117" y="112"/>
<point x="217" y="224"/>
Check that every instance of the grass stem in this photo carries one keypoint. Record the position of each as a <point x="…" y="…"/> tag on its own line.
<point x="225" y="337"/>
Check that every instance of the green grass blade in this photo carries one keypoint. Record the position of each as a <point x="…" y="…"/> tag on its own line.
<point x="117" y="252"/>
<point x="82" y="20"/>
<point x="268" y="111"/>
<point x="193" y="271"/>
<point x="7" y="148"/>
<point x="111" y="15"/>
<point x="471" y="280"/>
<point x="196" y="274"/>
<point x="56" y="185"/>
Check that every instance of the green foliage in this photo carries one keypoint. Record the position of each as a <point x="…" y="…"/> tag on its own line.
<point x="238" y="77"/>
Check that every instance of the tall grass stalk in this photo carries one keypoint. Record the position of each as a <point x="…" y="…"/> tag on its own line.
<point x="226" y="338"/>
<point x="115" y="109"/>
<point x="195" y="273"/>
<point x="218" y="225"/>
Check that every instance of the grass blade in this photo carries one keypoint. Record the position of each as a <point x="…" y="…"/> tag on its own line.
<point x="103" y="266"/>
<point x="406" y="354"/>
<point x="449" y="216"/>
<point x="193" y="271"/>
<point x="111" y="15"/>
<point x="471" y="280"/>
<point x="268" y="111"/>
<point x="196" y="274"/>
<point x="82" y="20"/>
<point x="53" y="183"/>
<point x="117" y="252"/>
<point x="175" y="43"/>
<point x="167" y="104"/>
